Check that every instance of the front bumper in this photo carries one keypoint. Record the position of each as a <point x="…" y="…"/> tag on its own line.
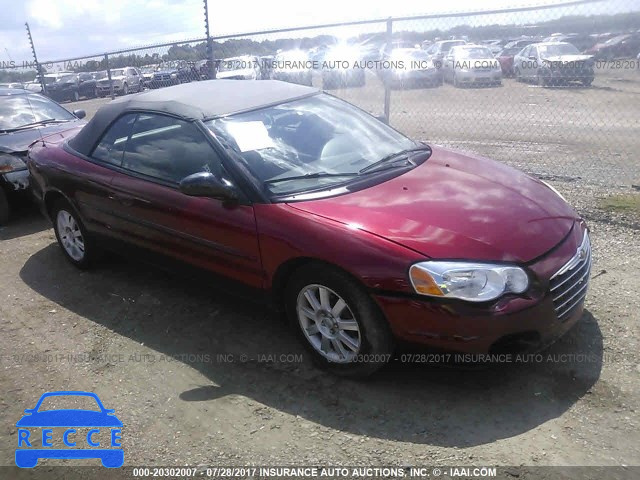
<point x="106" y="89"/>
<point x="511" y="325"/>
<point x="476" y="77"/>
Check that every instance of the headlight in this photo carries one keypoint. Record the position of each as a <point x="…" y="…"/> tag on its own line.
<point x="554" y="190"/>
<point x="9" y="163"/>
<point x="473" y="282"/>
<point x="174" y="75"/>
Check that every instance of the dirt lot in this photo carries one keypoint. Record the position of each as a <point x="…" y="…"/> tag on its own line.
<point x="201" y="378"/>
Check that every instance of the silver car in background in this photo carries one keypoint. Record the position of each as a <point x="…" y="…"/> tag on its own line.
<point x="410" y="67"/>
<point x="246" y="67"/>
<point x="125" y="80"/>
<point x="471" y="65"/>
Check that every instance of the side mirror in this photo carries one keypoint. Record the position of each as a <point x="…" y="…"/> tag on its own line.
<point x="532" y="57"/>
<point x="205" y="184"/>
<point x="80" y="113"/>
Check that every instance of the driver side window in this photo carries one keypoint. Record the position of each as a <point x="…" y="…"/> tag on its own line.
<point x="168" y="149"/>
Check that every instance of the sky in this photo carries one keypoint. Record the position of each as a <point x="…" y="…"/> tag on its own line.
<point x="70" y="28"/>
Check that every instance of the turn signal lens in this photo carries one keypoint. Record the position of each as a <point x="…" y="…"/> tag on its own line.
<point x="423" y="282"/>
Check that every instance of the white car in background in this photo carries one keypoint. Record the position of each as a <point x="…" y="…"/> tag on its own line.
<point x="246" y="67"/>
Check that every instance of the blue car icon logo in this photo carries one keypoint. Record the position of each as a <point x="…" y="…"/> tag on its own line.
<point x="66" y="422"/>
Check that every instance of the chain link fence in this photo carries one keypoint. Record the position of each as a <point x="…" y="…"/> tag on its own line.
<point x="553" y="89"/>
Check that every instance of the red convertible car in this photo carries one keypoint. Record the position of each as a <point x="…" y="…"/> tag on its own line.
<point x="361" y="235"/>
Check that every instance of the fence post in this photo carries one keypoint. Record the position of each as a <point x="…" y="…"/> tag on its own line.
<point x="387" y="86"/>
<point x="39" y="71"/>
<point x="212" y="65"/>
<point x="106" y="63"/>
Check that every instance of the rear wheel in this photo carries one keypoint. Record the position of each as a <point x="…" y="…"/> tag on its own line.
<point x="76" y="244"/>
<point x="76" y="96"/>
<point x="125" y="89"/>
<point x="337" y="321"/>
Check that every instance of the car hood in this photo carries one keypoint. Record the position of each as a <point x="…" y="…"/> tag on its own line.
<point x="567" y="58"/>
<point x="69" y="418"/>
<point x="457" y="206"/>
<point x="18" y="142"/>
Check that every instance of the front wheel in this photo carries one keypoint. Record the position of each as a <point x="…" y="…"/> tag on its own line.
<point x="337" y="321"/>
<point x="72" y="236"/>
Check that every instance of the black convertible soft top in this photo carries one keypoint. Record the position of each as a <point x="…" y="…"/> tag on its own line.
<point x="192" y="101"/>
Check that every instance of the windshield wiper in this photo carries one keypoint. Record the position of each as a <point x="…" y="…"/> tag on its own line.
<point x="402" y="154"/>
<point x="33" y="124"/>
<point x="309" y="176"/>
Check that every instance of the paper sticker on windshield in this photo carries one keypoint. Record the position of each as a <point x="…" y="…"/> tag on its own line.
<point x="250" y="135"/>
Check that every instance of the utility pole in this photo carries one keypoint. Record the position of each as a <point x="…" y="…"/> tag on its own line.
<point x="212" y="65"/>
<point x="35" y="59"/>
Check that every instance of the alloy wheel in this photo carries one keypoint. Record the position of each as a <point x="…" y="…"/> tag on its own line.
<point x="70" y="235"/>
<point x="328" y="323"/>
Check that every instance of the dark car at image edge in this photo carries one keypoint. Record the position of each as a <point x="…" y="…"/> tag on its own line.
<point x="363" y="237"/>
<point x="24" y="118"/>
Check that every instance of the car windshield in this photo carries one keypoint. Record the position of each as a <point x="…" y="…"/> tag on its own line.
<point x="320" y="136"/>
<point x="19" y="110"/>
<point x="615" y="40"/>
<point x="49" y="79"/>
<point x="66" y="78"/>
<point x="117" y="73"/>
<point x="558" y="49"/>
<point x="446" y="46"/>
<point x="477" y="52"/>
<point x="100" y="75"/>
<point x="510" y="51"/>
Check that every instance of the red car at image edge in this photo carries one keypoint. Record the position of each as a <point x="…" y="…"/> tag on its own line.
<point x="364" y="237"/>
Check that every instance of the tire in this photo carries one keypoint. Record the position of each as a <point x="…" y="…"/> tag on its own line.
<point x="454" y="80"/>
<point x="540" y="80"/>
<point x="125" y="89"/>
<point x="95" y="93"/>
<point x="5" y="211"/>
<point x="78" y="247"/>
<point x="364" y="346"/>
<point x="516" y="73"/>
<point x="76" y="96"/>
<point x="587" y="82"/>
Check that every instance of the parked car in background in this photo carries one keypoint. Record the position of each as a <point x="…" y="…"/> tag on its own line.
<point x="440" y="49"/>
<point x="246" y="67"/>
<point x="11" y="85"/>
<point x="292" y="66"/>
<point x="147" y="74"/>
<point x="24" y="118"/>
<point x="125" y="80"/>
<point x="362" y="236"/>
<point x="411" y="67"/>
<point x="72" y="87"/>
<point x="471" y="65"/>
<point x="35" y="87"/>
<point x="621" y="46"/>
<point x="341" y="67"/>
<point x="553" y="64"/>
<point x="505" y="59"/>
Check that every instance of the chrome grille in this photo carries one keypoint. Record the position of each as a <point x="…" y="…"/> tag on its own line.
<point x="569" y="285"/>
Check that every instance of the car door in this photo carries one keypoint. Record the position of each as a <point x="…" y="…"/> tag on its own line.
<point x="153" y="213"/>
<point x="522" y="62"/>
<point x="134" y="78"/>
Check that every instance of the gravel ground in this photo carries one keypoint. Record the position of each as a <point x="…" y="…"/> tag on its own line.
<point x="202" y="378"/>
